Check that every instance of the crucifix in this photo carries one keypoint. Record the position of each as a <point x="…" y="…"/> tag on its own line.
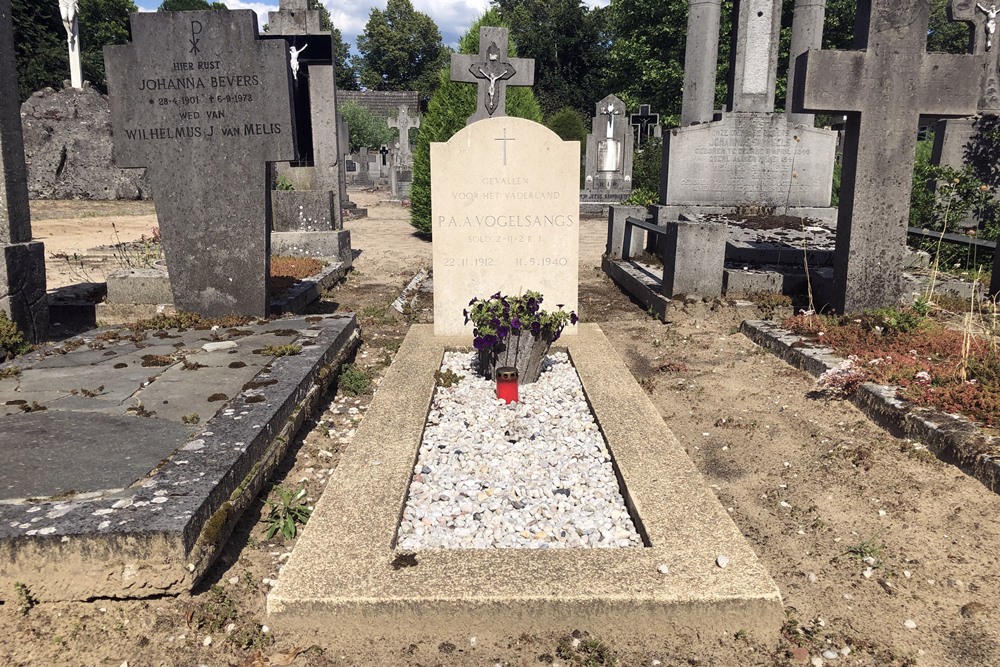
<point x="644" y="122"/>
<point x="493" y="71"/>
<point x="979" y="20"/>
<point x="883" y="88"/>
<point x="68" y="10"/>
<point x="403" y="123"/>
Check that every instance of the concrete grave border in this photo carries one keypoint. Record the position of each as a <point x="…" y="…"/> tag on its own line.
<point x="952" y="438"/>
<point x="162" y="534"/>
<point x="346" y="583"/>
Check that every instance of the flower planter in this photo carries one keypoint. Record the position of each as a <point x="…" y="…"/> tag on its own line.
<point x="523" y="350"/>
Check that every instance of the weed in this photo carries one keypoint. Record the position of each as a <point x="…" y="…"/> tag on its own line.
<point x="870" y="548"/>
<point x="192" y="418"/>
<point x="12" y="341"/>
<point x="9" y="372"/>
<point x="218" y="611"/>
<point x="377" y="315"/>
<point x="286" y="513"/>
<point x="25" y="600"/>
<point x="353" y="382"/>
<point x="447" y="378"/>
<point x="648" y="383"/>
<point x="141" y="254"/>
<point x="769" y="303"/>
<point x="282" y="182"/>
<point x="279" y="350"/>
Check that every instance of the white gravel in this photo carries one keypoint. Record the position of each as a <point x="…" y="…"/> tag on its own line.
<point x="533" y="474"/>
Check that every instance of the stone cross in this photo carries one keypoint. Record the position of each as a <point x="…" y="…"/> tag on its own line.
<point x="493" y="71"/>
<point x="384" y="152"/>
<point x="972" y="12"/>
<point x="755" y="59"/>
<point x="644" y="122"/>
<point x="807" y="33"/>
<point x="403" y="123"/>
<point x="22" y="261"/>
<point x="204" y="105"/>
<point x="69" y="9"/>
<point x="883" y="88"/>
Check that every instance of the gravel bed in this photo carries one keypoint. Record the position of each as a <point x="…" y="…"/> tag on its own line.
<point x="534" y="474"/>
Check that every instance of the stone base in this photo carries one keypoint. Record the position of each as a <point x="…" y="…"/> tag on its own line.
<point x="146" y="286"/>
<point x="303" y="211"/>
<point x="616" y="231"/>
<point x="352" y="212"/>
<point x="329" y="244"/>
<point x="347" y="586"/>
<point x="597" y="202"/>
<point x="823" y="214"/>
<point x="22" y="288"/>
<point x="694" y="254"/>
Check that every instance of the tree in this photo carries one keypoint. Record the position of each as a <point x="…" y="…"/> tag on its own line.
<point x="189" y="6"/>
<point x="569" y="44"/>
<point x="366" y="129"/>
<point x="401" y="49"/>
<point x="447" y="111"/>
<point x="347" y="76"/>
<point x="40" y="41"/>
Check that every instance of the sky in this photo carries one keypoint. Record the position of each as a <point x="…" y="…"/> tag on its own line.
<point x="453" y="17"/>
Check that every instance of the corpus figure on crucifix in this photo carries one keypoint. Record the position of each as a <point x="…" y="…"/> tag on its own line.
<point x="494" y="70"/>
<point x="294" y="62"/>
<point x="991" y="23"/>
<point x="68" y="9"/>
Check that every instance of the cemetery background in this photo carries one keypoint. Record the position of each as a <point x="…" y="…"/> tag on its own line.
<point x="742" y="415"/>
<point x="803" y="518"/>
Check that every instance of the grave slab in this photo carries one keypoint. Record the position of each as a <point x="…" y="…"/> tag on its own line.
<point x="346" y="583"/>
<point x="156" y="498"/>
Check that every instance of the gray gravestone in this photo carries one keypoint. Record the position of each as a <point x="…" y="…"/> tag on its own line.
<point x="294" y="18"/>
<point x="701" y="58"/>
<point x="752" y="158"/>
<point x="755" y="59"/>
<point x="22" y="270"/>
<point x="807" y="33"/>
<point x="883" y="89"/>
<point x="204" y="105"/>
<point x="493" y="71"/>
<point x="403" y="122"/>
<point x="609" y="150"/>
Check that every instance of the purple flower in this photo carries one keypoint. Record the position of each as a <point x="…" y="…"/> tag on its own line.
<point x="490" y="340"/>
<point x="473" y="302"/>
<point x="536" y="328"/>
<point x="533" y="305"/>
<point x="515" y="324"/>
<point x="560" y="305"/>
<point x="495" y="296"/>
<point x="479" y="343"/>
<point x="503" y="331"/>
<point x="465" y="314"/>
<point x="495" y="323"/>
<point x="573" y="318"/>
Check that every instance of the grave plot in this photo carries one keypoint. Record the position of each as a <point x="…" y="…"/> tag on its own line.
<point x="130" y="455"/>
<point x="349" y="581"/>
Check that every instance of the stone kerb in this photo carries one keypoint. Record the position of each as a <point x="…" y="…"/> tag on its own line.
<point x="505" y="209"/>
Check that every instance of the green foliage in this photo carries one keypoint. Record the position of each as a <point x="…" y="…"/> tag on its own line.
<point x="894" y="320"/>
<point x="25" y="600"/>
<point x="12" y="342"/>
<point x="447" y="378"/>
<point x="569" y="43"/>
<point x="40" y="41"/>
<point x="286" y="512"/>
<point x="641" y="197"/>
<point x="447" y="111"/>
<point x="500" y="316"/>
<point x="353" y="381"/>
<point x="569" y="125"/>
<point x="190" y="6"/>
<point x="279" y="350"/>
<point x="646" y="166"/>
<point x="282" y="182"/>
<point x="401" y="49"/>
<point x="365" y="128"/>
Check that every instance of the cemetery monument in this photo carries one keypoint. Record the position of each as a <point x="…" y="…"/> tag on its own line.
<point x="504" y="198"/>
<point x="69" y="10"/>
<point x="401" y="175"/>
<point x="206" y="106"/>
<point x="883" y="88"/>
<point x="610" y="147"/>
<point x="22" y="270"/>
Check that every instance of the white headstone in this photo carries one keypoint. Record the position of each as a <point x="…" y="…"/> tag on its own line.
<point x="505" y="207"/>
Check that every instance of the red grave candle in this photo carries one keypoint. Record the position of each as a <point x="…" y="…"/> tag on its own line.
<point x="507" y="383"/>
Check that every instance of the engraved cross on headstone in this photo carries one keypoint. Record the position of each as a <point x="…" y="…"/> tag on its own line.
<point x="883" y="88"/>
<point x="403" y="123"/>
<point x="205" y="125"/>
<point x="493" y="71"/>
<point x="644" y="122"/>
<point x="971" y="12"/>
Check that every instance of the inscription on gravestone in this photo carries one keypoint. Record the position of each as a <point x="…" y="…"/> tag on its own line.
<point x="204" y="105"/>
<point x="505" y="205"/>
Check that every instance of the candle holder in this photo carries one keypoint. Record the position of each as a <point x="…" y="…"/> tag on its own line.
<point x="507" y="384"/>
